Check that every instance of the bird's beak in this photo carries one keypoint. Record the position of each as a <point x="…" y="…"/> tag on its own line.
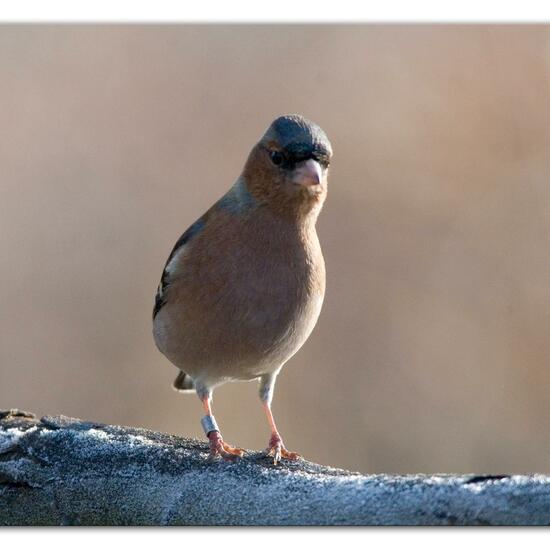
<point x="308" y="173"/>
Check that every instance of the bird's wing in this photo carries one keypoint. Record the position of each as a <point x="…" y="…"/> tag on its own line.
<point x="192" y="232"/>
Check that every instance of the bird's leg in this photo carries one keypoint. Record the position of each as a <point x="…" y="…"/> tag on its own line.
<point x="276" y="448"/>
<point x="218" y="447"/>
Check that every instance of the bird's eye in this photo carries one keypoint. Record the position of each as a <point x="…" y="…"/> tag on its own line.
<point x="323" y="161"/>
<point x="276" y="158"/>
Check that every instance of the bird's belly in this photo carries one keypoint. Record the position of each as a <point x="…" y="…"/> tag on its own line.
<point x="237" y="335"/>
<point x="273" y="340"/>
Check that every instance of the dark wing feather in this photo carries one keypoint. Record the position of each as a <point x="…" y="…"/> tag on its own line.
<point x="194" y="230"/>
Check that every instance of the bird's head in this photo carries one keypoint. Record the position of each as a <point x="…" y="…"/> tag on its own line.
<point x="287" y="169"/>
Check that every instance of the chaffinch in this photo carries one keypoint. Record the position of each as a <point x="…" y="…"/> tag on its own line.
<point x="243" y="287"/>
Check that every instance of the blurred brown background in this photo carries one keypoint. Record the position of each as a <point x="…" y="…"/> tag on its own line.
<point x="432" y="350"/>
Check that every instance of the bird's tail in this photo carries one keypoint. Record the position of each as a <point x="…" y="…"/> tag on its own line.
<point x="183" y="383"/>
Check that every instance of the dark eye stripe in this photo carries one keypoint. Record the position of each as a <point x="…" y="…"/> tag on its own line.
<point x="290" y="158"/>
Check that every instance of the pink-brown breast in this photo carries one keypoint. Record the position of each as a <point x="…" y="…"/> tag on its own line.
<point x="245" y="295"/>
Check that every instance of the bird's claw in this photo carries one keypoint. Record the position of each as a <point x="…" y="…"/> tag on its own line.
<point x="218" y="447"/>
<point x="278" y="451"/>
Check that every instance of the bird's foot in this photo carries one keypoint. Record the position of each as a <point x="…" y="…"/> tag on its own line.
<point x="277" y="450"/>
<point x="218" y="447"/>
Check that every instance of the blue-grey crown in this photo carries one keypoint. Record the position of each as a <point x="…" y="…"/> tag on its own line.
<point x="294" y="132"/>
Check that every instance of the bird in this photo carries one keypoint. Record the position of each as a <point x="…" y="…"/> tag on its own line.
<point x="243" y="287"/>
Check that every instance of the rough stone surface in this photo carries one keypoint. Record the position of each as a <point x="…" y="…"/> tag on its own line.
<point x="64" y="471"/>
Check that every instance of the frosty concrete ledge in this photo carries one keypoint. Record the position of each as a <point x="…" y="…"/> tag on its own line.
<point x="64" y="471"/>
